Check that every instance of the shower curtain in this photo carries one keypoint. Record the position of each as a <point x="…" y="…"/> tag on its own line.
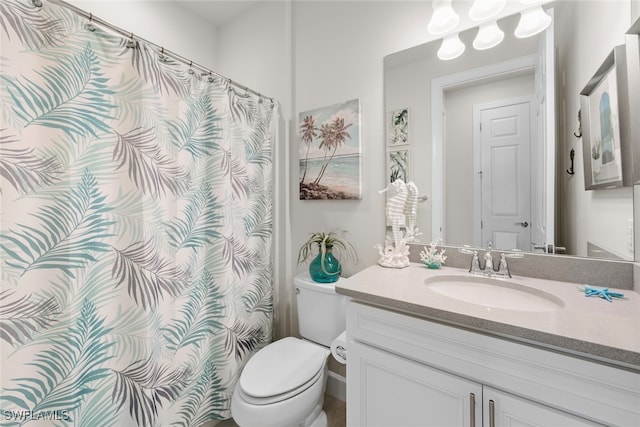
<point x="135" y="228"/>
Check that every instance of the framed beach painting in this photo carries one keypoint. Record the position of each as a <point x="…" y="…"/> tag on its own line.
<point x="330" y="152"/>
<point x="398" y="126"/>
<point x="604" y="107"/>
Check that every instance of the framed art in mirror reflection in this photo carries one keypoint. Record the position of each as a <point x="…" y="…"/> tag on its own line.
<point x="604" y="103"/>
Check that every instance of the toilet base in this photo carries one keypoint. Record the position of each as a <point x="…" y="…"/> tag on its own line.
<point x="320" y="421"/>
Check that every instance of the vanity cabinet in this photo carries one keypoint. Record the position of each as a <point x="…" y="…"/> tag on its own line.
<point x="407" y="371"/>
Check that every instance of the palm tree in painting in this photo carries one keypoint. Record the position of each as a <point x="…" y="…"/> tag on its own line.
<point x="333" y="136"/>
<point x="307" y="133"/>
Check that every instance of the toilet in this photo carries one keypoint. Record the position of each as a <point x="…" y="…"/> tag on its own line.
<point x="283" y="384"/>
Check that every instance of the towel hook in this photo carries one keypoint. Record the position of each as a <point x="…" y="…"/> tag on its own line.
<point x="572" y="154"/>
<point x="579" y="133"/>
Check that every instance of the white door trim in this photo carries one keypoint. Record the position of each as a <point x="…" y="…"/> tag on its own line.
<point x="438" y="86"/>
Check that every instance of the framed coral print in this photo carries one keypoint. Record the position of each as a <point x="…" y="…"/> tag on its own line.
<point x="604" y="106"/>
<point x="398" y="127"/>
<point x="398" y="164"/>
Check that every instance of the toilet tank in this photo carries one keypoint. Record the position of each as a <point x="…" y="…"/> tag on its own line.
<point x="321" y="311"/>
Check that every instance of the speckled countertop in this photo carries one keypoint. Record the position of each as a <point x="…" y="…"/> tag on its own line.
<point x="590" y="327"/>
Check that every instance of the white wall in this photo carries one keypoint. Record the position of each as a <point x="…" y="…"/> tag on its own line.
<point x="253" y="49"/>
<point x="164" y="23"/>
<point x="338" y="52"/>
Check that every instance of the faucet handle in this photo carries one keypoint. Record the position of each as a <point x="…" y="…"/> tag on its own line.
<point x="503" y="268"/>
<point x="475" y="264"/>
<point x="515" y="254"/>
<point x="467" y="250"/>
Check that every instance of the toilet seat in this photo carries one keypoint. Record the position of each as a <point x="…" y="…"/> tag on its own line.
<point x="281" y="370"/>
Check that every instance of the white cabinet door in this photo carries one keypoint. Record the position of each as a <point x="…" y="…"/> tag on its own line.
<point x="506" y="410"/>
<point x="384" y="390"/>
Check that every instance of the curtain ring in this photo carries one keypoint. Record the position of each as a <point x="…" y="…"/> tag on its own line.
<point x="162" y="57"/>
<point x="191" y="69"/>
<point x="89" y="26"/>
<point x="131" y="43"/>
<point x="36" y="3"/>
<point x="210" y="78"/>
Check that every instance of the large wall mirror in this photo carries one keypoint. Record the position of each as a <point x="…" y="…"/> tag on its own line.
<point x="517" y="194"/>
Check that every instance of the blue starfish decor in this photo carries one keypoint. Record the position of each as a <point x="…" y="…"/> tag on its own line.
<point x="590" y="291"/>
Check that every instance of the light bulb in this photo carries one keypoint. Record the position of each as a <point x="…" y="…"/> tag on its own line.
<point x="451" y="47"/>
<point x="489" y="35"/>
<point x="532" y="22"/>
<point x="485" y="9"/>
<point x="444" y="18"/>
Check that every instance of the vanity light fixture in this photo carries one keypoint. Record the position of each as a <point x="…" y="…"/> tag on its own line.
<point x="482" y="10"/>
<point x="489" y="35"/>
<point x="444" y="18"/>
<point x="451" y="47"/>
<point x="532" y="22"/>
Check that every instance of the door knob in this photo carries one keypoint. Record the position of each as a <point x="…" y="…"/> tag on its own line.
<point x="523" y="224"/>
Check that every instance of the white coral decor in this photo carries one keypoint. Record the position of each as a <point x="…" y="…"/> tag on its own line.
<point x="433" y="257"/>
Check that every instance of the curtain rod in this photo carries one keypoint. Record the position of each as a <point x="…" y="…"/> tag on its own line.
<point x="207" y="71"/>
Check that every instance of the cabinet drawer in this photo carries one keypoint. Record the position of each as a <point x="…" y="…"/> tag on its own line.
<point x="587" y="389"/>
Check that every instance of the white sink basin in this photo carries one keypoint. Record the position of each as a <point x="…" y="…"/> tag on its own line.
<point x="494" y="293"/>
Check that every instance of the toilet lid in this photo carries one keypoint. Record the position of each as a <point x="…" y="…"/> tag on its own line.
<point x="281" y="367"/>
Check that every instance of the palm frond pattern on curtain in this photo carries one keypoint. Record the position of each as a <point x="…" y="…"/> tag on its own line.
<point x="135" y="228"/>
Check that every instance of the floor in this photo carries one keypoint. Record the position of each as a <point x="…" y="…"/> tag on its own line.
<point x="335" y="408"/>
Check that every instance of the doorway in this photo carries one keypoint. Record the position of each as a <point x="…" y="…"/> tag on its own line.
<point x="502" y="170"/>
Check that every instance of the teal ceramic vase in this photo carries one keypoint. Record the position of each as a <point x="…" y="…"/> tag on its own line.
<point x="331" y="271"/>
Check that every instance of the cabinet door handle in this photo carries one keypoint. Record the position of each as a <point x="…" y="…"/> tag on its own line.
<point x="492" y="413"/>
<point x="472" y="409"/>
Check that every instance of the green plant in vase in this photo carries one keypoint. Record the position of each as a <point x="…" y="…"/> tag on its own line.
<point x="326" y="249"/>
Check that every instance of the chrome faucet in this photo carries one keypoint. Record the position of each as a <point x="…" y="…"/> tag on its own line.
<point x="488" y="269"/>
<point x="488" y="260"/>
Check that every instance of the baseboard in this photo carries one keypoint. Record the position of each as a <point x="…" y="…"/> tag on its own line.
<point x="337" y="386"/>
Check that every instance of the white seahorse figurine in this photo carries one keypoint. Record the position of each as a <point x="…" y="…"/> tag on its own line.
<point x="395" y="253"/>
<point x="395" y="208"/>
<point x="411" y="212"/>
